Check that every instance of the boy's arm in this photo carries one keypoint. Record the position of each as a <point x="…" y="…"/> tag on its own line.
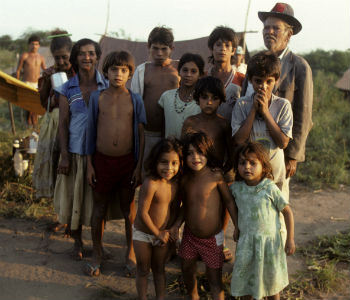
<point x="228" y="165"/>
<point x="43" y="64"/>
<point x="229" y="201"/>
<point x="289" y="220"/>
<point x="63" y="135"/>
<point x="20" y="66"/>
<point x="90" y="171"/>
<point x="136" y="177"/>
<point x="243" y="133"/>
<point x="147" y="193"/>
<point x="186" y="127"/>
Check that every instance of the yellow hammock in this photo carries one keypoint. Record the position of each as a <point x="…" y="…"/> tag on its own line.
<point x="20" y="94"/>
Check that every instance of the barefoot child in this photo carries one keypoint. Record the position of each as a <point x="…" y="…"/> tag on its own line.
<point x="158" y="203"/>
<point x="260" y="268"/>
<point x="178" y="104"/>
<point x="222" y="43"/>
<point x="209" y="94"/>
<point x="115" y="145"/>
<point x="152" y="79"/>
<point x="205" y="194"/>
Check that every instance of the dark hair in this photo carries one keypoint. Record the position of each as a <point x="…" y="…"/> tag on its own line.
<point x="161" y="35"/>
<point x="76" y="49"/>
<point x="209" y="84"/>
<point x="163" y="146"/>
<point x="191" y="57"/>
<point x="264" y="64"/>
<point x="261" y="154"/>
<point x="222" y="33"/>
<point x="203" y="145"/>
<point x="34" y="38"/>
<point x="60" y="42"/>
<point x="118" y="58"/>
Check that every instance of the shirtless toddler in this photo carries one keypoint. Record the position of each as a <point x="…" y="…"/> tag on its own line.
<point x="115" y="151"/>
<point x="205" y="194"/>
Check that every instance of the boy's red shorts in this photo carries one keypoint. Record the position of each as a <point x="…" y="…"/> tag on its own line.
<point x="113" y="172"/>
<point x="193" y="247"/>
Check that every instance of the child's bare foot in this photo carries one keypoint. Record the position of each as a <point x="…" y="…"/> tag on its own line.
<point x="130" y="269"/>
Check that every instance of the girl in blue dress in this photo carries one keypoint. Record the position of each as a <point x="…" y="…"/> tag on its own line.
<point x="260" y="268"/>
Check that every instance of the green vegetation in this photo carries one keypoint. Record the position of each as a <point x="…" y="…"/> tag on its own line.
<point x="327" y="149"/>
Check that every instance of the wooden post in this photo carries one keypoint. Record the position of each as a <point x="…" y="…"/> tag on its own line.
<point x="12" y="119"/>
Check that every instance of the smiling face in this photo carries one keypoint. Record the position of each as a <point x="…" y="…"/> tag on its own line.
<point x="209" y="103"/>
<point x="222" y="51"/>
<point x="250" y="168"/>
<point x="160" y="53"/>
<point x="118" y="75"/>
<point x="168" y="165"/>
<point x="189" y="74"/>
<point x="61" y="57"/>
<point x="87" y="58"/>
<point x="34" y="46"/>
<point x="276" y="34"/>
<point x="195" y="160"/>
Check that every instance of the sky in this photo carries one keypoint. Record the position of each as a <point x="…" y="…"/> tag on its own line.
<point x="326" y="24"/>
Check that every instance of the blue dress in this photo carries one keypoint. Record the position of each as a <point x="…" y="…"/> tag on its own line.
<point x="260" y="267"/>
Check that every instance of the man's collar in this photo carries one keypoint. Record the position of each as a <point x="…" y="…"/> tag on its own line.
<point x="283" y="53"/>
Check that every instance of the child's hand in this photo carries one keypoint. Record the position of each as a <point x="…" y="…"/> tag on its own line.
<point x="163" y="236"/>
<point x="290" y="247"/>
<point x="236" y="234"/>
<point x="174" y="233"/>
<point x="90" y="174"/>
<point x="261" y="102"/>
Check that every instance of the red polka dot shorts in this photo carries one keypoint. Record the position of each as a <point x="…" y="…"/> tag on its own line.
<point x="208" y="249"/>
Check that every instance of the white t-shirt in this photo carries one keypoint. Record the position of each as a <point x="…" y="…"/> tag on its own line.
<point x="176" y="112"/>
<point x="282" y="113"/>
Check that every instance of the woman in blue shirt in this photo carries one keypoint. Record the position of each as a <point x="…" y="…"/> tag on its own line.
<point x="73" y="195"/>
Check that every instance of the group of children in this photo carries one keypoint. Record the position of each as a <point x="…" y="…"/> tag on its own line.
<point x="193" y="145"/>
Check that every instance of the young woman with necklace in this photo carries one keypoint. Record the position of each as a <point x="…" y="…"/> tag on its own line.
<point x="178" y="104"/>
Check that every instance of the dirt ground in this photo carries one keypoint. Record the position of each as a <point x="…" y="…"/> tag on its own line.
<point x="36" y="264"/>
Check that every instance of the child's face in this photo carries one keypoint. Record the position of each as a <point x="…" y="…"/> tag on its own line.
<point x="250" y="168"/>
<point x="118" y="75"/>
<point x="195" y="160"/>
<point x="159" y="53"/>
<point x="168" y="165"/>
<point x="189" y="73"/>
<point x="209" y="103"/>
<point x="222" y="51"/>
<point x="265" y="84"/>
<point x="61" y="57"/>
<point x="87" y="57"/>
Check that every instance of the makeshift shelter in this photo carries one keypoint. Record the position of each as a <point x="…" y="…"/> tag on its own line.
<point x="344" y="83"/>
<point x="140" y="51"/>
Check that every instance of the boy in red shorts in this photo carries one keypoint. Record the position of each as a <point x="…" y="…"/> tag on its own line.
<point x="115" y="146"/>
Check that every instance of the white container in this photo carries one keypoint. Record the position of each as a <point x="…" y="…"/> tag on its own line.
<point x="33" y="143"/>
<point x="18" y="163"/>
<point x="25" y="164"/>
<point x="58" y="79"/>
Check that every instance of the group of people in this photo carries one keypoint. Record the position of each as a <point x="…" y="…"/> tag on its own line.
<point x="205" y="144"/>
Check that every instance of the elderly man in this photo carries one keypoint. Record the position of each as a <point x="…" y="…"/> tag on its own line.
<point x="295" y="83"/>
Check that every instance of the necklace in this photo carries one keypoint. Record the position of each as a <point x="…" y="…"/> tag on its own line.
<point x="179" y="109"/>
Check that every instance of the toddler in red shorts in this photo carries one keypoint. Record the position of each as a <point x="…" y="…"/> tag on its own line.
<point x="205" y="195"/>
<point x="115" y="145"/>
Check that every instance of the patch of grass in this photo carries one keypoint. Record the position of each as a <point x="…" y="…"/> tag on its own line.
<point x="327" y="149"/>
<point x="105" y="292"/>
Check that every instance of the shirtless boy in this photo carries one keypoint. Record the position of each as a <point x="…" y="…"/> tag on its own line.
<point x="115" y="152"/>
<point x="222" y="43"/>
<point x="31" y="62"/>
<point x="152" y="79"/>
<point x="209" y="94"/>
<point x="205" y="193"/>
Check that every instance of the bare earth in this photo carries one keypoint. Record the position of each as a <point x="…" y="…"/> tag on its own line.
<point x="35" y="264"/>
